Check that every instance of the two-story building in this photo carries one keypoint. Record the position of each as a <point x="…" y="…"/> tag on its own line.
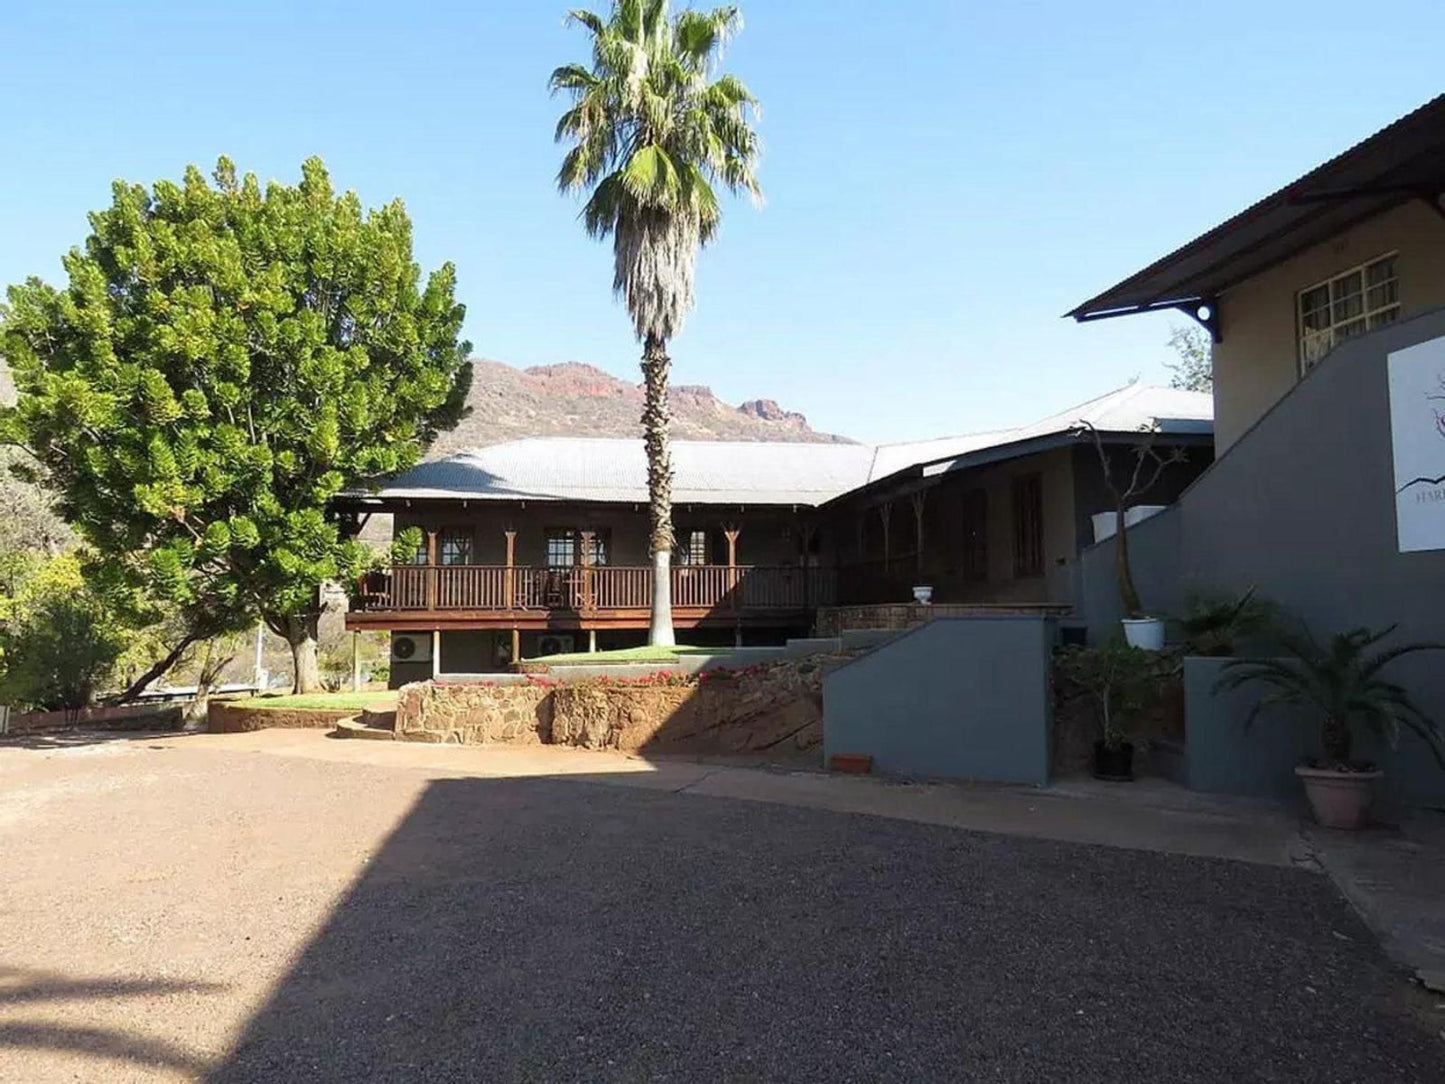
<point x="1326" y="301"/>
<point x="539" y="546"/>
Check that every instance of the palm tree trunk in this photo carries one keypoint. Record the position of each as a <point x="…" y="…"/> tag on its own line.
<point x="655" y="421"/>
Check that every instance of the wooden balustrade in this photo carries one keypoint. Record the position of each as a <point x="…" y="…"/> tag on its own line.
<point x="728" y="588"/>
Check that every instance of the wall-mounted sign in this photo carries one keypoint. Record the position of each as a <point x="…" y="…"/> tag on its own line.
<point x="1417" y="430"/>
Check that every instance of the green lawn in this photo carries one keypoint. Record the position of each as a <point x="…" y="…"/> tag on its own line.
<point x="628" y="654"/>
<point x="338" y="701"/>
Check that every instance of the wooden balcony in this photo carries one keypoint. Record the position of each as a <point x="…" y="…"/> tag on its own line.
<point x="521" y="596"/>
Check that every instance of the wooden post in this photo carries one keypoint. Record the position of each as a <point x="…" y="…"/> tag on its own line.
<point x="436" y="653"/>
<point x="509" y="578"/>
<point x="731" y="532"/>
<point x="516" y="646"/>
<point x="918" y="499"/>
<point x="431" y="571"/>
<point x="885" y="513"/>
<point x="355" y="661"/>
<point x="592" y="641"/>
<point x="806" y="532"/>
<point x="585" y="602"/>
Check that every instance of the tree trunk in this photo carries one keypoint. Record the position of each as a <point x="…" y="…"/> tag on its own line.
<point x="1127" y="593"/>
<point x="212" y="663"/>
<point x="655" y="420"/>
<point x="300" y="634"/>
<point x="138" y="686"/>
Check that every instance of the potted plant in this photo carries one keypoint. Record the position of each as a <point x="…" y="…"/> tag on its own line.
<point x="1340" y="684"/>
<point x="1127" y="488"/>
<point x="1214" y="624"/>
<point x="922" y="594"/>
<point x="1120" y="679"/>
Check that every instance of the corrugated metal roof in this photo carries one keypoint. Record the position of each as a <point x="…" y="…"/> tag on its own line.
<point x="607" y="470"/>
<point x="1400" y="162"/>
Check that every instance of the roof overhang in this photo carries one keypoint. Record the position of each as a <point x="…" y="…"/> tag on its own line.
<point x="1403" y="162"/>
<point x="1183" y="432"/>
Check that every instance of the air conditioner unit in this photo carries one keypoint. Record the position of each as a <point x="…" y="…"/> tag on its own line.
<point x="553" y="644"/>
<point x="411" y="647"/>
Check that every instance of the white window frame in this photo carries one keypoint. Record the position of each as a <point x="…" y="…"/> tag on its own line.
<point x="1311" y="346"/>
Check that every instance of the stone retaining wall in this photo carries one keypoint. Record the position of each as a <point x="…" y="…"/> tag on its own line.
<point x="772" y="706"/>
<point x="474" y="714"/>
<point x="127" y="717"/>
<point x="233" y="717"/>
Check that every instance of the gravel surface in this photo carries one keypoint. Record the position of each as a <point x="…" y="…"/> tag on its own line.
<point x="202" y="912"/>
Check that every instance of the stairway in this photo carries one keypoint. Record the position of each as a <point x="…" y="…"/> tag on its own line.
<point x="371" y="725"/>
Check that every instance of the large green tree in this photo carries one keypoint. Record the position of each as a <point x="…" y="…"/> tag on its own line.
<point x="225" y="360"/>
<point x="652" y="129"/>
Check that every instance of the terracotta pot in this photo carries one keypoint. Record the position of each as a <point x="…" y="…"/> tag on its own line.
<point x="1339" y="799"/>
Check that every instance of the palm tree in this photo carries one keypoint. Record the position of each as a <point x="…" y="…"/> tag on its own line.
<point x="1340" y="683"/>
<point x="651" y="132"/>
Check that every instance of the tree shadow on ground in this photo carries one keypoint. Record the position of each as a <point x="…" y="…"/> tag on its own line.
<point x="556" y="929"/>
<point x="72" y="739"/>
<point x="23" y="987"/>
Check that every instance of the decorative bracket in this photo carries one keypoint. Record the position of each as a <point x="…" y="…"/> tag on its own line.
<point x="1205" y="313"/>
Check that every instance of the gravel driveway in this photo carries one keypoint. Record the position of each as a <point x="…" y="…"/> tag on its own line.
<point x="195" y="910"/>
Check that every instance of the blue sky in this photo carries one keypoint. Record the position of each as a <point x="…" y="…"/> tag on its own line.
<point x="941" y="184"/>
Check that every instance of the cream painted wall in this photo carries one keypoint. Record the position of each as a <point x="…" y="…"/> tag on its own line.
<point x="1258" y="361"/>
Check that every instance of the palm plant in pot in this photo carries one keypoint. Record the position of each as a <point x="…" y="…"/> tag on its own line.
<point x="1340" y="684"/>
<point x="1139" y="474"/>
<point x="1120" y="679"/>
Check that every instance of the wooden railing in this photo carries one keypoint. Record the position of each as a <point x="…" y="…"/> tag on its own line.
<point x="597" y="587"/>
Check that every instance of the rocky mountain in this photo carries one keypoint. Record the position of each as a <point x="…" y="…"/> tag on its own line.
<point x="577" y="400"/>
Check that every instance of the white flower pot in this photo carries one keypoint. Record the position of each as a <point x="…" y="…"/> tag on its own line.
<point x="1145" y="632"/>
<point x="923" y="595"/>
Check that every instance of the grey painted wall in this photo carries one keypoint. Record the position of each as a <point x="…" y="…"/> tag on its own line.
<point x="965" y="698"/>
<point x="1302" y="508"/>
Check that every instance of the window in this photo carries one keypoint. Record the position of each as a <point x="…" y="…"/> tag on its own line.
<point x="601" y="544"/>
<point x="975" y="535"/>
<point x="561" y="548"/>
<point x="1028" y="499"/>
<point x="694" y="548"/>
<point x="1360" y="300"/>
<point x="455" y="547"/>
<point x="564" y="547"/>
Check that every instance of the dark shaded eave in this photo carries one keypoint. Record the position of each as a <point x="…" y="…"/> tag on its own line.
<point x="1402" y="162"/>
<point x="919" y="476"/>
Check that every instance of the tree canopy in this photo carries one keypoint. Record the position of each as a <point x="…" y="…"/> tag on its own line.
<point x="223" y="362"/>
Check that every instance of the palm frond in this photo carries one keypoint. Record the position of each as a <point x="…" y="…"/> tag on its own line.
<point x="652" y="138"/>
<point x="592" y="21"/>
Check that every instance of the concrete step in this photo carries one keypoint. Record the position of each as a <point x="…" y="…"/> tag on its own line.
<point x="355" y="728"/>
<point x="739" y="657"/>
<point x="382" y="718"/>
<point x="813" y="645"/>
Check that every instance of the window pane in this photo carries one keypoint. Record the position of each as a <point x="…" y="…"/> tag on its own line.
<point x="1349" y="330"/>
<point x="456" y="548"/>
<point x="1387" y="316"/>
<point x="1347" y="294"/>
<point x="1380" y="271"/>
<point x="1377" y="297"/>
<point x="561" y="549"/>
<point x="694" y="549"/>
<point x="1316" y="300"/>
